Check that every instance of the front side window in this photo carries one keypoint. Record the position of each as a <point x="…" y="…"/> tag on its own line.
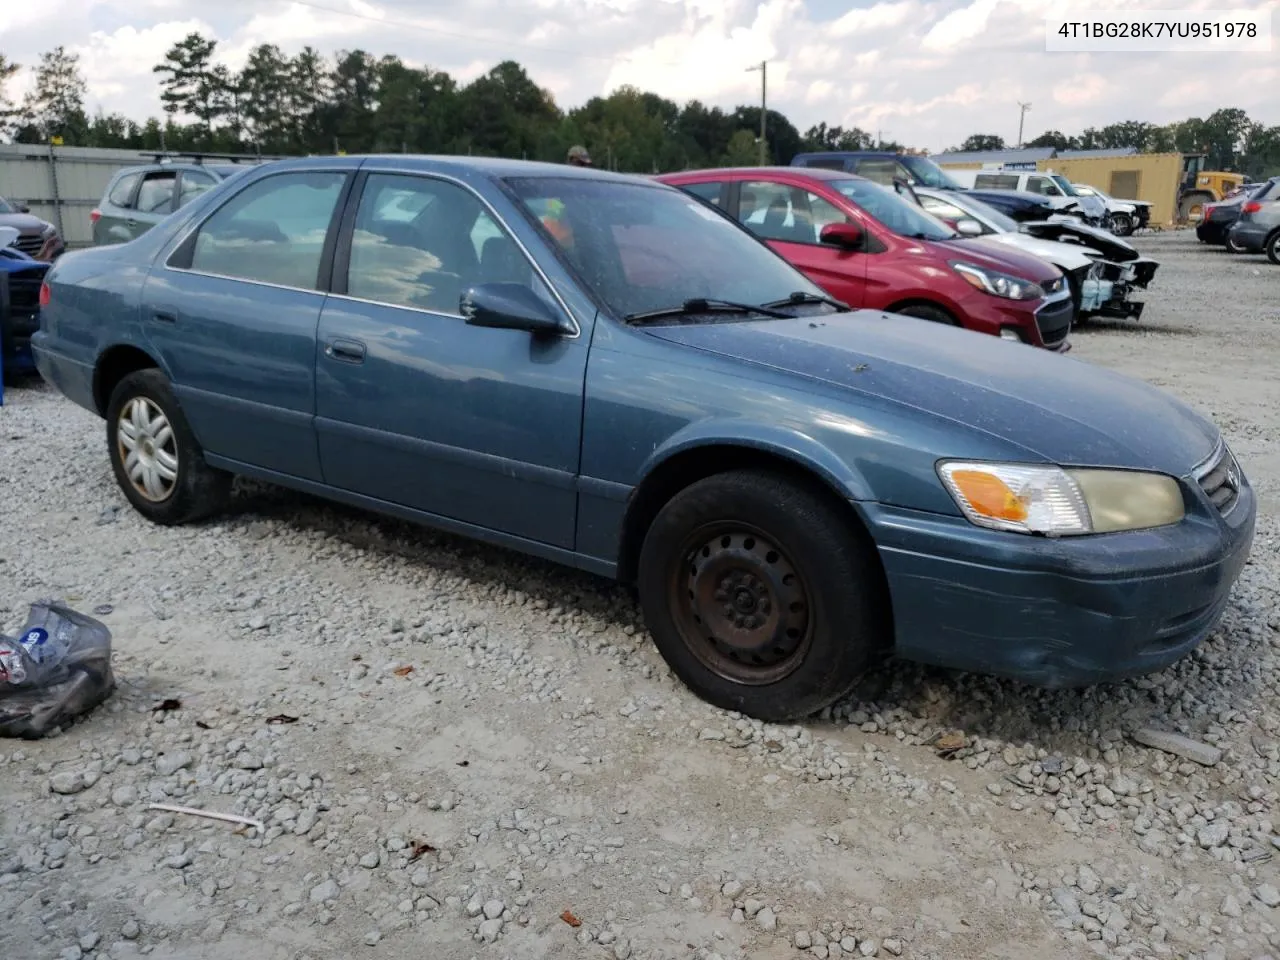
<point x="900" y="216"/>
<point x="776" y="211"/>
<point x="194" y="183"/>
<point x="122" y="191"/>
<point x="272" y="231"/>
<point x="641" y="247"/>
<point x="420" y="242"/>
<point x="1043" y="186"/>
<point x="6" y="206"/>
<point x="929" y="174"/>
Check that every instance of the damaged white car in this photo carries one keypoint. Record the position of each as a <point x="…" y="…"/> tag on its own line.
<point x="1102" y="270"/>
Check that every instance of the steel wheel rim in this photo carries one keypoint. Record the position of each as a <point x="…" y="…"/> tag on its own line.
<point x="741" y="605"/>
<point x="148" y="449"/>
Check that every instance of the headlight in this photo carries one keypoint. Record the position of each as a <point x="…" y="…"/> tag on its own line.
<point x="49" y="230"/>
<point x="997" y="284"/>
<point x="1058" y="502"/>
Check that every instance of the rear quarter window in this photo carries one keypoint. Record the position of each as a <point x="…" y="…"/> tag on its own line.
<point x="122" y="190"/>
<point x="996" y="181"/>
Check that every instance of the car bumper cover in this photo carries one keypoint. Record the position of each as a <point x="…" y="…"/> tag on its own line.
<point x="1058" y="612"/>
<point x="1250" y="237"/>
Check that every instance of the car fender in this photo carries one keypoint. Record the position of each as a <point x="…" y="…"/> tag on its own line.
<point x="788" y="443"/>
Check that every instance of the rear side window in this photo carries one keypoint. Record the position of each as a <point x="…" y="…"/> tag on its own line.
<point x="122" y="190"/>
<point x="272" y="231"/>
<point x="156" y="193"/>
<point x="827" y="163"/>
<point x="995" y="181"/>
<point x="707" y="191"/>
<point x="881" y="171"/>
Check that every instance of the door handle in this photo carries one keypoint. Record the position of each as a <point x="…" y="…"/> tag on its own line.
<point x="165" y="317"/>
<point x="131" y="222"/>
<point x="349" y="351"/>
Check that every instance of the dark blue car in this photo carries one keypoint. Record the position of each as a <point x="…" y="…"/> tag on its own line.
<point x="21" y="276"/>
<point x="606" y="372"/>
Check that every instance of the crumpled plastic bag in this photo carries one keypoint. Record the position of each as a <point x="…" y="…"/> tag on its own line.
<point x="56" y="669"/>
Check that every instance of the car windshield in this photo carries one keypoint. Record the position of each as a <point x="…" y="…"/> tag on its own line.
<point x="643" y="248"/>
<point x="929" y="174"/>
<point x="998" y="220"/>
<point x="6" y="206"/>
<point x="900" y="216"/>
<point x="1065" y="184"/>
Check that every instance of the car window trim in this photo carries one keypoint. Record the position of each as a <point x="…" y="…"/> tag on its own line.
<point x="325" y="268"/>
<point x="340" y="262"/>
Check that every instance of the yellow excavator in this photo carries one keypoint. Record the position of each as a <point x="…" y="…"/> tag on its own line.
<point x="1200" y="186"/>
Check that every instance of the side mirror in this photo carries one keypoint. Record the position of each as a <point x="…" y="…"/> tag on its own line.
<point x="23" y="208"/>
<point x="510" y="306"/>
<point x="846" y="235"/>
<point x="969" y="228"/>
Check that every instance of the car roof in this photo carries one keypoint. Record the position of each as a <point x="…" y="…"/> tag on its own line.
<point x="494" y="167"/>
<point x="811" y="173"/>
<point x="861" y="154"/>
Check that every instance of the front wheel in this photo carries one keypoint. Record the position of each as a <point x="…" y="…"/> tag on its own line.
<point x="761" y="595"/>
<point x="1121" y="224"/>
<point x="927" y="311"/>
<point x="154" y="455"/>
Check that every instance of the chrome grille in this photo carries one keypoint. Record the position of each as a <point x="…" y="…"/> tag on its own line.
<point x="1219" y="477"/>
<point x="30" y="244"/>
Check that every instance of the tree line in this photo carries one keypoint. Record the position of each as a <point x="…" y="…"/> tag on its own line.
<point x="359" y="103"/>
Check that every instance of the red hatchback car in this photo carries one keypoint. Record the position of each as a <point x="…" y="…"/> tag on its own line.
<point x="867" y="246"/>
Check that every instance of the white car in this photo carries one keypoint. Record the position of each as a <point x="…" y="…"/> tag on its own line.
<point x="1125" y="215"/>
<point x="1097" y="285"/>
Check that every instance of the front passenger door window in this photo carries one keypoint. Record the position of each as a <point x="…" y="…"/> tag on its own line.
<point x="155" y="196"/>
<point x="420" y="242"/>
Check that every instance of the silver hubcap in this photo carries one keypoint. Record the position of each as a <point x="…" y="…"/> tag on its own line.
<point x="148" y="449"/>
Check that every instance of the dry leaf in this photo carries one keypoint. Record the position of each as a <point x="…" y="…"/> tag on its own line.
<point x="403" y="671"/>
<point x="419" y="848"/>
<point x="166" y="705"/>
<point x="570" y="919"/>
<point x="202" y="725"/>
<point x="282" y="718"/>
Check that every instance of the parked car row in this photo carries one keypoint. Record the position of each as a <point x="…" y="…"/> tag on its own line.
<point x="1246" y="222"/>
<point x="607" y="372"/>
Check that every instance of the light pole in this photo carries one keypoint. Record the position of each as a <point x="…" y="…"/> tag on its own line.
<point x="764" y="108"/>
<point x="1022" y="115"/>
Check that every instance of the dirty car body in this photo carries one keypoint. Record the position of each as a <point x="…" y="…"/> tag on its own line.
<point x="605" y="372"/>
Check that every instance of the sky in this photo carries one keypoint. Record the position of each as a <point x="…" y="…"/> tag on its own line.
<point x="926" y="73"/>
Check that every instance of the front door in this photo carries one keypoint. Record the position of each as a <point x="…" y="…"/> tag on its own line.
<point x="791" y="219"/>
<point x="414" y="407"/>
<point x="233" y="316"/>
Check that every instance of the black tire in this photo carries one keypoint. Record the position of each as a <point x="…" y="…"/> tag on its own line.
<point x="778" y="569"/>
<point x="1272" y="248"/>
<point x="1121" y="224"/>
<point x="927" y="311"/>
<point x="185" y="488"/>
<point x="1231" y="245"/>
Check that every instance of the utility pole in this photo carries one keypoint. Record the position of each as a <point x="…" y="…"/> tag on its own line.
<point x="764" y="109"/>
<point x="1022" y="115"/>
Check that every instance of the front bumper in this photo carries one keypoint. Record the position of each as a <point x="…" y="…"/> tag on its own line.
<point x="1059" y="612"/>
<point x="1249" y="237"/>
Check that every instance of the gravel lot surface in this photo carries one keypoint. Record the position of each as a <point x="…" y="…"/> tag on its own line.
<point x="489" y="759"/>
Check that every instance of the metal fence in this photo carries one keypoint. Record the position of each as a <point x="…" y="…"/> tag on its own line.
<point x="61" y="184"/>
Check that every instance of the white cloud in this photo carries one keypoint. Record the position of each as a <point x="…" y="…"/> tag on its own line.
<point x="927" y="72"/>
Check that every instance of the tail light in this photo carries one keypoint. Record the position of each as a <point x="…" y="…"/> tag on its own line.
<point x="95" y="216"/>
<point x="45" y="294"/>
<point x="1253" y="206"/>
<point x="1207" y="209"/>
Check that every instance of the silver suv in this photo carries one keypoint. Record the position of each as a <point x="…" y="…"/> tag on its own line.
<point x="137" y="198"/>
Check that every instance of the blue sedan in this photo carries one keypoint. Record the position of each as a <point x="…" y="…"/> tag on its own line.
<point x="606" y="372"/>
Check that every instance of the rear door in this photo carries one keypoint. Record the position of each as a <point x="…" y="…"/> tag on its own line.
<point x="791" y="219"/>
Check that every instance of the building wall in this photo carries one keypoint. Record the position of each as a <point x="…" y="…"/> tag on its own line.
<point x="1158" y="176"/>
<point x="61" y="184"/>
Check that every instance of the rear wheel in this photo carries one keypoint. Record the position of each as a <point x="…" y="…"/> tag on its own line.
<point x="154" y="455"/>
<point x="1272" y="248"/>
<point x="761" y="595"/>
<point x="1231" y="245"/>
<point x="927" y="311"/>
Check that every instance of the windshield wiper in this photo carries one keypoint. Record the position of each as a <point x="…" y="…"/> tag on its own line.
<point x="801" y="297"/>
<point x="699" y="305"/>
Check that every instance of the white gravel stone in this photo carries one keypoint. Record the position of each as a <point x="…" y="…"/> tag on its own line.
<point x="326" y="891"/>
<point x="767" y="920"/>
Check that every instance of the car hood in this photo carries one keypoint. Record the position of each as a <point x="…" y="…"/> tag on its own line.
<point x="984" y="252"/>
<point x="1067" y="256"/>
<point x="1107" y="244"/>
<point x="23" y="222"/>
<point x="1055" y="408"/>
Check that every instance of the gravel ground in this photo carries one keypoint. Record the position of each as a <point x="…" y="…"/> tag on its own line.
<point x="489" y="760"/>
